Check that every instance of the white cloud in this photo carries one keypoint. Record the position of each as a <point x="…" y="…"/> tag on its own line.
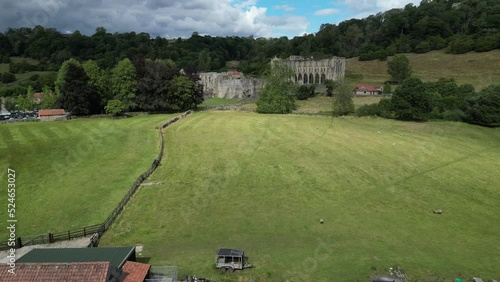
<point x="326" y="12"/>
<point x="374" y="6"/>
<point x="286" y="8"/>
<point x="171" y="18"/>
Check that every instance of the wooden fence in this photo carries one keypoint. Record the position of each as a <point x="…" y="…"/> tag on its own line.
<point x="96" y="230"/>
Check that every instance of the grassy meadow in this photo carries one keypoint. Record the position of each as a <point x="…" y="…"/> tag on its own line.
<point x="262" y="183"/>
<point x="71" y="174"/>
<point x="478" y="69"/>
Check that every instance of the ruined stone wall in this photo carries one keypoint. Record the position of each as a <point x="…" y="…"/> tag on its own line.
<point x="222" y="85"/>
<point x="309" y="71"/>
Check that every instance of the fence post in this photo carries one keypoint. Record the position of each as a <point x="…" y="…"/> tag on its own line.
<point x="51" y="238"/>
<point x="69" y="235"/>
<point x="19" y="243"/>
<point x="84" y="233"/>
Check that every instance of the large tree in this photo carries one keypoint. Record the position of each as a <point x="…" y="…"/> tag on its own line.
<point x="399" y="68"/>
<point x="413" y="100"/>
<point x="100" y="79"/>
<point x="77" y="95"/>
<point x="180" y="92"/>
<point x="342" y="102"/>
<point x="485" y="109"/>
<point x="153" y="87"/>
<point x="61" y="74"/>
<point x="124" y="82"/>
<point x="276" y="95"/>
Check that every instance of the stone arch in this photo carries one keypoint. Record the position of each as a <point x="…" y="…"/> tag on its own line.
<point x="305" y="78"/>
<point x="323" y="78"/>
<point x="300" y="77"/>
<point x="311" y="78"/>
<point x="316" y="78"/>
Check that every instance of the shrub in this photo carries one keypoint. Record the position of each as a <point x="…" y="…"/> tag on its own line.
<point x="453" y="115"/>
<point x="115" y="107"/>
<point x="385" y="108"/>
<point x="8" y="77"/>
<point x="422" y="47"/>
<point x="368" y="110"/>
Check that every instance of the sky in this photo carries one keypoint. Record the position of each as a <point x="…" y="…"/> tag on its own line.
<point x="180" y="18"/>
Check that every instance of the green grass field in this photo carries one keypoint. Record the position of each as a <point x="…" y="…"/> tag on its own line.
<point x="478" y="69"/>
<point x="71" y="174"/>
<point x="262" y="183"/>
<point x="211" y="102"/>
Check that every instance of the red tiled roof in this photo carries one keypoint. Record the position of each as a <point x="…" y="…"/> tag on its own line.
<point x="76" y="271"/>
<point x="37" y="95"/>
<point x="135" y="271"/>
<point x="54" y="112"/>
<point x="369" y="87"/>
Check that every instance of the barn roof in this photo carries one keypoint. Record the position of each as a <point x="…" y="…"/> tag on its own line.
<point x="135" y="271"/>
<point x="369" y="87"/>
<point x="80" y="271"/>
<point x="53" y="112"/>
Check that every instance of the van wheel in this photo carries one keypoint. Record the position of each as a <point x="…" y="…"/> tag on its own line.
<point x="230" y="269"/>
<point x="222" y="269"/>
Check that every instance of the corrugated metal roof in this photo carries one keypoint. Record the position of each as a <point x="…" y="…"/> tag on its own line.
<point x="117" y="256"/>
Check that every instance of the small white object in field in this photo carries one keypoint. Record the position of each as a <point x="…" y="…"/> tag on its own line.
<point x="379" y="132"/>
<point x="321" y="221"/>
<point x="401" y="134"/>
<point x="393" y="144"/>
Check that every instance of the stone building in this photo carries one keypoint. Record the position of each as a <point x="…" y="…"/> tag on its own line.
<point x="230" y="85"/>
<point x="51" y="115"/>
<point x="309" y="71"/>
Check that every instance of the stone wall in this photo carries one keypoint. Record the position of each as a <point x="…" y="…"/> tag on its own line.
<point x="308" y="71"/>
<point x="230" y="86"/>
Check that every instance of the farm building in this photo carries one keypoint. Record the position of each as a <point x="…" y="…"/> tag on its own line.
<point x="368" y="89"/>
<point x="75" y="271"/>
<point x="120" y="264"/>
<point x="50" y="115"/>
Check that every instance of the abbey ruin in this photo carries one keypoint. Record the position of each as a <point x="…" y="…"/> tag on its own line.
<point x="234" y="84"/>
<point x="230" y="85"/>
<point x="309" y="71"/>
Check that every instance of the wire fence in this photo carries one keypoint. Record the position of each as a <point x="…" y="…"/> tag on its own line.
<point x="96" y="230"/>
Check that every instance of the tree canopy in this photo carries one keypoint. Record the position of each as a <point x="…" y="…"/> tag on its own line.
<point x="462" y="26"/>
<point x="399" y="68"/>
<point x="77" y="95"/>
<point x="276" y="96"/>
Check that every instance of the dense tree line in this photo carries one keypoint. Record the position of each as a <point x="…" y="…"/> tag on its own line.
<point x="444" y="99"/>
<point x="134" y="85"/>
<point x="459" y="25"/>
